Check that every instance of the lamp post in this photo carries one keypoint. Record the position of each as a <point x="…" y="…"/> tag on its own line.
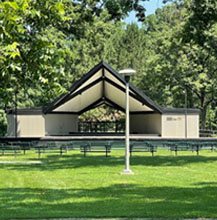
<point x="127" y="73"/>
<point x="186" y="119"/>
<point x="15" y="124"/>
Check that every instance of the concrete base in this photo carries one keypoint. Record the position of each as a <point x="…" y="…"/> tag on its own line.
<point x="127" y="172"/>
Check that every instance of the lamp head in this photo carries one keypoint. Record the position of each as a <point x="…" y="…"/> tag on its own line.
<point x="127" y="73"/>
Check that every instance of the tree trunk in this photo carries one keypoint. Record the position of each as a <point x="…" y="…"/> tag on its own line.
<point x="203" y="117"/>
<point x="203" y="108"/>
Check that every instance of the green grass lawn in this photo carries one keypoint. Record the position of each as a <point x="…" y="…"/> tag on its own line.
<point x="165" y="185"/>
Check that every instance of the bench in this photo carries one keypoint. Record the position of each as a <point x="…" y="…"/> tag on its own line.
<point x="211" y="145"/>
<point x="24" y="146"/>
<point x="95" y="147"/>
<point x="65" y="146"/>
<point x="10" y="149"/>
<point x="50" y="147"/>
<point x="184" y="146"/>
<point x="142" y="147"/>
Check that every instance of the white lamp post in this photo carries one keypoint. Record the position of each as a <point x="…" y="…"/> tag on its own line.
<point x="186" y="119"/>
<point x="127" y="73"/>
<point x="15" y="118"/>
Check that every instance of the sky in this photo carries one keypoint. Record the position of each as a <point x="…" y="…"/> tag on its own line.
<point x="150" y="6"/>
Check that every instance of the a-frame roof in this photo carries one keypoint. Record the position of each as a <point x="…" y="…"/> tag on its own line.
<point x="101" y="85"/>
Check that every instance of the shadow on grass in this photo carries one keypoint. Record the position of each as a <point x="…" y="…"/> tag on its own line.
<point x="52" y="162"/>
<point x="119" y="200"/>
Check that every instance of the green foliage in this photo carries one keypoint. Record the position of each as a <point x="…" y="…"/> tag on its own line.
<point x="202" y="17"/>
<point x="3" y="123"/>
<point x="47" y="45"/>
<point x="90" y="48"/>
<point x="102" y="113"/>
<point x="33" y="46"/>
<point x="120" y="8"/>
<point x="199" y="44"/>
<point x="168" y="56"/>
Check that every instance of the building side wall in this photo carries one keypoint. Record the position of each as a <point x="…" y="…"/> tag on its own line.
<point x="145" y="124"/>
<point x="193" y="126"/>
<point x="60" y="124"/>
<point x="41" y="125"/>
<point x="27" y="126"/>
<point x="166" y="125"/>
<point x="174" y="126"/>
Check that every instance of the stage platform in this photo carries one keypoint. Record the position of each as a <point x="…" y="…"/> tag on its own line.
<point x="106" y="137"/>
<point x="102" y="137"/>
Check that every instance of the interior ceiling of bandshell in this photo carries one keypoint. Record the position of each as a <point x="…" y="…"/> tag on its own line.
<point x="102" y="89"/>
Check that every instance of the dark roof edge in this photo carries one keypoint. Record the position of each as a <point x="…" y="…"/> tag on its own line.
<point x="150" y="102"/>
<point x="35" y="111"/>
<point x="181" y="111"/>
<point x="102" y="64"/>
<point x="24" y="111"/>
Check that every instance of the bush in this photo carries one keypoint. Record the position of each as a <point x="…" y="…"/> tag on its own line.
<point x="3" y="123"/>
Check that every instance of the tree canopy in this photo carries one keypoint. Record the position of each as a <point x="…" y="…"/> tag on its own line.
<point x="46" y="45"/>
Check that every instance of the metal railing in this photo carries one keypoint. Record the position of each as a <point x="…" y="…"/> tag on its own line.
<point x="101" y="127"/>
<point x="208" y="133"/>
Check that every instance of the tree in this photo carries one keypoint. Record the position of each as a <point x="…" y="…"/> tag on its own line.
<point x="125" y="47"/>
<point x="202" y="18"/>
<point x="33" y="49"/>
<point x="199" y="43"/>
<point x="181" y="60"/>
<point x="42" y="43"/>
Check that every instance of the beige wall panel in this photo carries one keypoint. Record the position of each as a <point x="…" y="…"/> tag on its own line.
<point x="114" y="79"/>
<point x="145" y="124"/>
<point x="193" y="126"/>
<point x="82" y="101"/>
<point x="90" y="80"/>
<point x="173" y="126"/>
<point x="60" y="124"/>
<point x="30" y="126"/>
<point x="117" y="96"/>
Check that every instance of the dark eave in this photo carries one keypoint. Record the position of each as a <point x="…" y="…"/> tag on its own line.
<point x="192" y="111"/>
<point x="143" y="113"/>
<point x="35" y="111"/>
<point x="24" y="111"/>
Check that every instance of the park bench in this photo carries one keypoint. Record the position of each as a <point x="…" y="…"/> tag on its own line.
<point x="142" y="147"/>
<point x="24" y="146"/>
<point x="51" y="148"/>
<point x="184" y="146"/>
<point x="209" y="145"/>
<point x="10" y="149"/>
<point x="95" y="147"/>
<point x="64" y="147"/>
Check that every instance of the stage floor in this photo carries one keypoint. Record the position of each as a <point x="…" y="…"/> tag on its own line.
<point x="102" y="137"/>
<point x="121" y="137"/>
<point x="109" y="137"/>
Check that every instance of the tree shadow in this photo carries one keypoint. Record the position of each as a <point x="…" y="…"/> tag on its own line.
<point x="206" y="184"/>
<point x="118" y="200"/>
<point x="76" y="160"/>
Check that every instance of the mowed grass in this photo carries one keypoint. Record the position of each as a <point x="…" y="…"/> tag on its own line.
<point x="166" y="186"/>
